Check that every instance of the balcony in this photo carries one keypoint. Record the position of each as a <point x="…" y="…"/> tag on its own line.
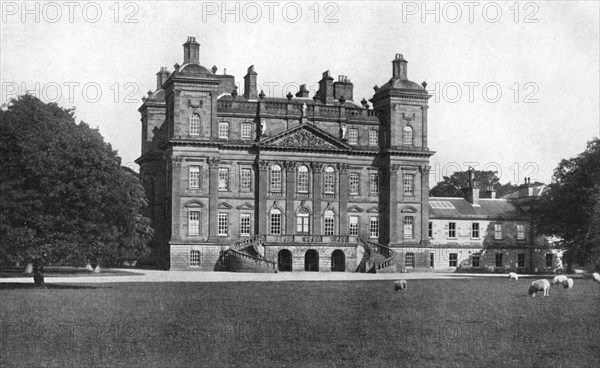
<point x="311" y="239"/>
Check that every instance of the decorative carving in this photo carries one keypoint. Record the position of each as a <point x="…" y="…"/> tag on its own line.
<point x="302" y="138"/>
<point x="343" y="131"/>
<point x="213" y="163"/>
<point x="263" y="127"/>
<point x="316" y="166"/>
<point x="394" y="168"/>
<point x="263" y="165"/>
<point x="176" y="161"/>
<point x="424" y="169"/>
<point x="408" y="118"/>
<point x="343" y="168"/>
<point x="195" y="106"/>
<point x="289" y="165"/>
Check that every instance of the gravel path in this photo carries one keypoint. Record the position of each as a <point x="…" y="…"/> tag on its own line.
<point x="193" y="276"/>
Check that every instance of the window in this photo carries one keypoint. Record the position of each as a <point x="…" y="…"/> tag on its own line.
<point x="194" y="177"/>
<point x="329" y="222"/>
<point x="374" y="227"/>
<point x="497" y="231"/>
<point x="194" y="258"/>
<point x="549" y="260"/>
<point x="430" y="229"/>
<point x="521" y="260"/>
<point x="453" y="260"/>
<point x="246" y="131"/>
<point x="195" y="124"/>
<point x="245" y="179"/>
<point x="498" y="259"/>
<point x="223" y="179"/>
<point x="275" y="218"/>
<point x="329" y="180"/>
<point x="408" y="227"/>
<point x="452" y="229"/>
<point x="354" y="183"/>
<point x="303" y="221"/>
<point x="373" y="137"/>
<point x="353" y="226"/>
<point x="475" y="230"/>
<point x="441" y="204"/>
<point x="224" y="130"/>
<point x="409" y="180"/>
<point x="374" y="183"/>
<point x="194" y="223"/>
<point x="407" y="136"/>
<point x="302" y="181"/>
<point x="409" y="260"/>
<point x="352" y="136"/>
<point x="275" y="178"/>
<point x="520" y="231"/>
<point x="245" y="224"/>
<point x="476" y="260"/>
<point x="431" y="260"/>
<point x="223" y="224"/>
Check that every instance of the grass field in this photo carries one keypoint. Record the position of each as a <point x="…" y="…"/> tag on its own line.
<point x="482" y="322"/>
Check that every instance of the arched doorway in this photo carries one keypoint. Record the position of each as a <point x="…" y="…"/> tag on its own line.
<point x="311" y="260"/>
<point x="284" y="260"/>
<point x="338" y="261"/>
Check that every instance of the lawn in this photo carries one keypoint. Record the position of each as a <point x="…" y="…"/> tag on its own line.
<point x="481" y="322"/>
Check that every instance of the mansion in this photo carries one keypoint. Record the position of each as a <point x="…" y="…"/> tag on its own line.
<point x="247" y="182"/>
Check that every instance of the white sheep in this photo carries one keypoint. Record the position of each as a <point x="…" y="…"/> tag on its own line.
<point x="400" y="285"/>
<point x="568" y="283"/>
<point x="596" y="276"/>
<point x="539" y="285"/>
<point x="513" y="275"/>
<point x="559" y="279"/>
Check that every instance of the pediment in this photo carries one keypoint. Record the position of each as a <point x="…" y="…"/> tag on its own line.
<point x="245" y="206"/>
<point x="306" y="136"/>
<point x="373" y="210"/>
<point x="354" y="209"/>
<point x="224" y="206"/>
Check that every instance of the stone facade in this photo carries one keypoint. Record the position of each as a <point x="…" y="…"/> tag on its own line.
<point x="219" y="166"/>
<point x="314" y="183"/>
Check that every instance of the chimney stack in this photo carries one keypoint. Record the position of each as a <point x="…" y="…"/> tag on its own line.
<point x="303" y="92"/>
<point x="250" y="86"/>
<point x="191" y="51"/>
<point x="471" y="192"/>
<point x="399" y="67"/>
<point x="343" y="87"/>
<point x="326" y="88"/>
<point x="490" y="193"/>
<point x="161" y="77"/>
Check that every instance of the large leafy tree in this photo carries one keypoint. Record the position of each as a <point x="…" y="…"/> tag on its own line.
<point x="451" y="185"/>
<point x="570" y="209"/>
<point x="64" y="196"/>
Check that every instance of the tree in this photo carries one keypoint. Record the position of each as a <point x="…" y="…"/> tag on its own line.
<point x="64" y="196"/>
<point x="451" y="186"/>
<point x="570" y="208"/>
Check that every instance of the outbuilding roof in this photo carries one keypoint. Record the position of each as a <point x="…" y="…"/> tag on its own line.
<point x="460" y="208"/>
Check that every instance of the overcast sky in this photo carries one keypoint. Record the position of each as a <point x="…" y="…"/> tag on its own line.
<point x="516" y="87"/>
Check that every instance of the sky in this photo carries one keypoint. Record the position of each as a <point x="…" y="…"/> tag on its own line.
<point x="515" y="85"/>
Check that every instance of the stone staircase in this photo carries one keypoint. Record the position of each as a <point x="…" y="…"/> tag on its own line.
<point x="248" y="256"/>
<point x="378" y="258"/>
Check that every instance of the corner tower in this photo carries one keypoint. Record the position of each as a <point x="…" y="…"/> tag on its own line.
<point x="401" y="107"/>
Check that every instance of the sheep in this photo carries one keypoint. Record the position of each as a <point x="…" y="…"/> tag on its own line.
<point x="400" y="285"/>
<point x="596" y="276"/>
<point x="568" y="283"/>
<point x="559" y="279"/>
<point x="539" y="285"/>
<point x="513" y="275"/>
